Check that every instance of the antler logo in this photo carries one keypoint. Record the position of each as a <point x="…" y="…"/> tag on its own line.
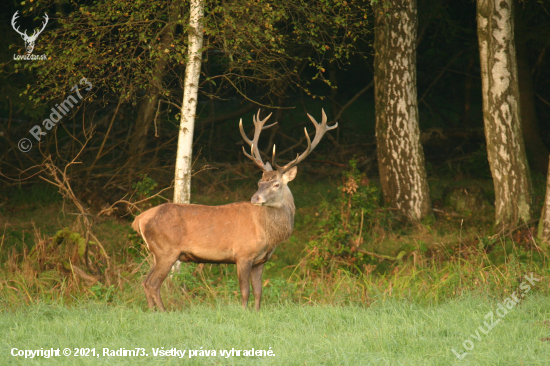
<point x="29" y="40"/>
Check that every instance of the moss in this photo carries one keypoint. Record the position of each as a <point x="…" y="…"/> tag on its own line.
<point x="65" y="236"/>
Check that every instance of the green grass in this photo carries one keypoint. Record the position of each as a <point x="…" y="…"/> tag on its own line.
<point x="355" y="310"/>
<point x="386" y="333"/>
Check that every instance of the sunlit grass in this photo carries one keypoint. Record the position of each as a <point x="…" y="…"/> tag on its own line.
<point x="385" y="333"/>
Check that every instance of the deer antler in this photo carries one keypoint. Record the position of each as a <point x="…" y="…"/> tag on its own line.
<point x="320" y="130"/>
<point x="37" y="32"/>
<point x="254" y="152"/>
<point x="15" y="16"/>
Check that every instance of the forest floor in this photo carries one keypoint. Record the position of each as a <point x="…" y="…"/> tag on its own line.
<point x="322" y="304"/>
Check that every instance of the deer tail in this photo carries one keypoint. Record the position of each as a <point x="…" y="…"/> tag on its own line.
<point x="135" y="225"/>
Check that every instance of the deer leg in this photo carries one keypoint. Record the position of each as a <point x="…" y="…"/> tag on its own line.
<point x="243" y="272"/>
<point x="148" y="294"/>
<point x="256" y="279"/>
<point x="146" y="289"/>
<point x="155" y="279"/>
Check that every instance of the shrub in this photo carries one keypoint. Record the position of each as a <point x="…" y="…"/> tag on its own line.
<point x="343" y="222"/>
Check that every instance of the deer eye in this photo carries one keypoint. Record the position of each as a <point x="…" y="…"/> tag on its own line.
<point x="276" y="185"/>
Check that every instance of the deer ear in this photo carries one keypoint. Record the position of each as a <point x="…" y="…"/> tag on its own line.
<point x="290" y="175"/>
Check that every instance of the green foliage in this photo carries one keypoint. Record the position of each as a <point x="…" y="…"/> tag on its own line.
<point x="136" y="248"/>
<point x="486" y="243"/>
<point x="270" y="40"/>
<point x="118" y="45"/>
<point x="186" y="278"/>
<point x="102" y="292"/>
<point x="145" y="186"/>
<point x="342" y="223"/>
<point x="278" y="289"/>
<point x="66" y="237"/>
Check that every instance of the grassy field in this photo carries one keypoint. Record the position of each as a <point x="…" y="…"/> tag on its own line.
<point x="426" y="301"/>
<point x="385" y="333"/>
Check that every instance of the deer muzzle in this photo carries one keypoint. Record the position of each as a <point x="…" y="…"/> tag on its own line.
<point x="258" y="199"/>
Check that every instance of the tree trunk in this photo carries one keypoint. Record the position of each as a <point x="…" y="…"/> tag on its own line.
<point x="501" y="112"/>
<point x="536" y="151"/>
<point x="184" y="161"/>
<point x="148" y="104"/>
<point x="544" y="223"/>
<point x="400" y="155"/>
<point x="146" y="110"/>
<point x="182" y="185"/>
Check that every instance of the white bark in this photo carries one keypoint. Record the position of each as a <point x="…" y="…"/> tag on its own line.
<point x="544" y="223"/>
<point x="400" y="155"/>
<point x="184" y="157"/>
<point x="501" y="112"/>
<point x="182" y="182"/>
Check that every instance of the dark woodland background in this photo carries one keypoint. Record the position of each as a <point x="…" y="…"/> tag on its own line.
<point x="449" y="94"/>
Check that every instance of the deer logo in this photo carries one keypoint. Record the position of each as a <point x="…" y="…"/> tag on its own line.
<point x="29" y="40"/>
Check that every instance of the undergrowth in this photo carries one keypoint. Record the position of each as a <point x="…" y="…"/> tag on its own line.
<point x="341" y="225"/>
<point x="61" y="276"/>
<point x="333" y="266"/>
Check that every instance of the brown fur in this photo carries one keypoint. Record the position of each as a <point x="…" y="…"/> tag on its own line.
<point x="244" y="233"/>
<point x="240" y="233"/>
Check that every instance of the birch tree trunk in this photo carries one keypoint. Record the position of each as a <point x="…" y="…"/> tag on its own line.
<point x="184" y="156"/>
<point x="400" y="155"/>
<point x="501" y="112"/>
<point x="182" y="181"/>
<point x="544" y="223"/>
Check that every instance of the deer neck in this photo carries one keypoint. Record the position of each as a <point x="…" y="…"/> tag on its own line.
<point x="279" y="220"/>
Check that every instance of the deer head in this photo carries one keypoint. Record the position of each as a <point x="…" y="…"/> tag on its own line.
<point x="29" y="40"/>
<point x="273" y="185"/>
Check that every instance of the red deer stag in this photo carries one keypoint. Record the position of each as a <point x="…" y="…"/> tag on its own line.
<point x="244" y="233"/>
